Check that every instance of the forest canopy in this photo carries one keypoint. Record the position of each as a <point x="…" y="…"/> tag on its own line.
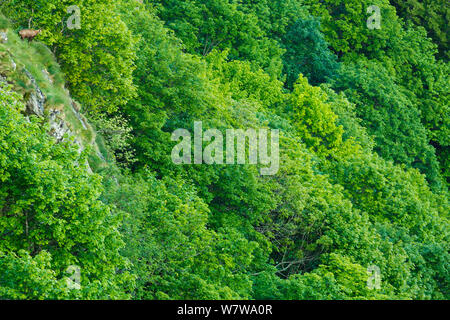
<point x="363" y="121"/>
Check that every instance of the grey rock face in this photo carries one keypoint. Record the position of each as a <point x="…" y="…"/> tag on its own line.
<point x="3" y="37"/>
<point x="77" y="114"/>
<point x="35" y="105"/>
<point x="58" y="128"/>
<point x="13" y="65"/>
<point x="36" y="101"/>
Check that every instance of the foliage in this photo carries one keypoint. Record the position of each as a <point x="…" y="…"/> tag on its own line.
<point x="204" y="25"/>
<point x="26" y="277"/>
<point x="307" y="53"/>
<point x="49" y="202"/>
<point x="363" y="136"/>
<point x="314" y="118"/>
<point x="432" y="15"/>
<point x="389" y="116"/>
<point x="98" y="58"/>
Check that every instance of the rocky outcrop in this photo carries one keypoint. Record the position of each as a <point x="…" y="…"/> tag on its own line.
<point x="36" y="100"/>
<point x="62" y="114"/>
<point x="58" y="127"/>
<point x="78" y="115"/>
<point x="3" y="37"/>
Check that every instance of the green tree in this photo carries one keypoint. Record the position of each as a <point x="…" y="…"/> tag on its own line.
<point x="433" y="15"/>
<point x="175" y="255"/>
<point x="307" y="53"/>
<point x="411" y="220"/>
<point x="97" y="59"/>
<point x="204" y="25"/>
<point x="49" y="202"/>
<point x="389" y="116"/>
<point x="314" y="118"/>
<point x="344" y="23"/>
<point x="25" y="277"/>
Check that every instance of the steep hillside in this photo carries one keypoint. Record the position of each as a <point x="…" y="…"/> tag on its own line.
<point x="48" y="152"/>
<point x="32" y="71"/>
<point x="198" y="149"/>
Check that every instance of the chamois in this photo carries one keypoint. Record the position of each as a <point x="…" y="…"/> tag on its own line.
<point x="29" y="34"/>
